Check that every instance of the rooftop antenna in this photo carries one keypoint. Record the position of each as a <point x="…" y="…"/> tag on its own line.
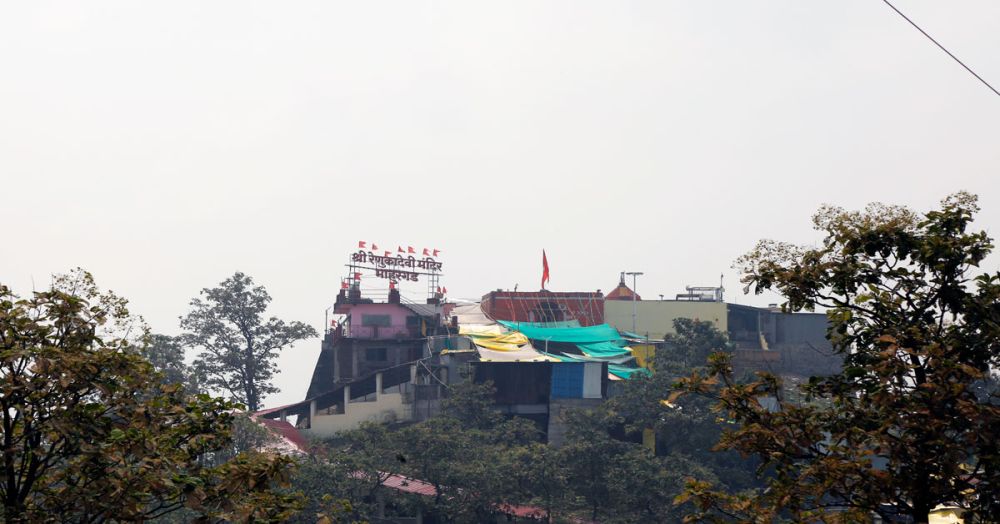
<point x="634" y="274"/>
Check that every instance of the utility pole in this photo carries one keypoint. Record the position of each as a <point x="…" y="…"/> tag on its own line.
<point x="634" y="275"/>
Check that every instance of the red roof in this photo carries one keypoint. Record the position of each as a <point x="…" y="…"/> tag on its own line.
<point x="419" y="487"/>
<point x="622" y="292"/>
<point x="530" y="512"/>
<point x="286" y="431"/>
<point x="408" y="485"/>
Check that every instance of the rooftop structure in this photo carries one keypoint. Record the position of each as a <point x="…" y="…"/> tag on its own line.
<point x="545" y="306"/>
<point x="764" y="338"/>
<point x="622" y="292"/>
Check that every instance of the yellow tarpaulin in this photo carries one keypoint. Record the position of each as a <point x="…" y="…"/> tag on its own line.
<point x="643" y="354"/>
<point x="480" y="330"/>
<point x="496" y="344"/>
<point x="525" y="353"/>
<point x="491" y="337"/>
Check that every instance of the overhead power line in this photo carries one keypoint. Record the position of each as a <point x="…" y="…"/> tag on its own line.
<point x="929" y="37"/>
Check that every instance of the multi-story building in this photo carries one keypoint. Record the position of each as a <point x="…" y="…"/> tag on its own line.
<point x="763" y="338"/>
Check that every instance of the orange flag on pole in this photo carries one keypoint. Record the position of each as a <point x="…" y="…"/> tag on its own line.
<point x="545" y="269"/>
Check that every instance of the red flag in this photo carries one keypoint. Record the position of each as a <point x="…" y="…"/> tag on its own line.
<point x="436" y="252"/>
<point x="392" y="284"/>
<point x="361" y="244"/>
<point x="374" y="247"/>
<point x="409" y="249"/>
<point x="357" y="276"/>
<point x="439" y="289"/>
<point x="444" y="290"/>
<point x="426" y="252"/>
<point x="387" y="253"/>
<point x="399" y="250"/>
<point x="343" y="285"/>
<point x="545" y="269"/>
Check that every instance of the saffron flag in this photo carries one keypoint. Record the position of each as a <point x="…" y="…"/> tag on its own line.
<point x="545" y="269"/>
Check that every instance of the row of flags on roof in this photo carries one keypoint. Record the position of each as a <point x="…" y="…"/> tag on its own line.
<point x="409" y="250"/>
<point x="434" y="252"/>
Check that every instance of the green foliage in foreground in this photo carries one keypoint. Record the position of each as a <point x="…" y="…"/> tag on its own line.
<point x="91" y="433"/>
<point x="478" y="460"/>
<point x="912" y="420"/>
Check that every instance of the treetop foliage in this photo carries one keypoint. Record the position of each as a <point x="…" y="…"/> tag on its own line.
<point x="92" y="434"/>
<point x="239" y="345"/>
<point x="910" y="422"/>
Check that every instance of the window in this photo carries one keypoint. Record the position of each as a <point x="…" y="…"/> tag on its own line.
<point x="376" y="320"/>
<point x="376" y="355"/>
<point x="412" y="322"/>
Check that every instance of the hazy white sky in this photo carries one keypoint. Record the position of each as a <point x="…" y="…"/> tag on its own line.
<point x="165" y="145"/>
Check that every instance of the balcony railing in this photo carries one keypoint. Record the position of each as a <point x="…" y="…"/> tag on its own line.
<point x="383" y="332"/>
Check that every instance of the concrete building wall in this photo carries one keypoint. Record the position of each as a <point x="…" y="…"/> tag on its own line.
<point x="397" y="327"/>
<point x="655" y="318"/>
<point x="388" y="407"/>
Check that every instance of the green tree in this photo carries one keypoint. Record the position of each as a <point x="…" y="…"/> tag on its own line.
<point x="91" y="433"/>
<point x="685" y="428"/>
<point x="616" y="480"/>
<point x="466" y="452"/>
<point x="908" y="423"/>
<point x="166" y="354"/>
<point x="348" y="472"/>
<point x="540" y="474"/>
<point x="238" y="345"/>
<point x="690" y="345"/>
<point x="463" y="453"/>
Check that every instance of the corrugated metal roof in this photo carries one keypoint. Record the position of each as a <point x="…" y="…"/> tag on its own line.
<point x="424" y="310"/>
<point x="419" y="487"/>
<point x="408" y="485"/>
<point x="291" y="436"/>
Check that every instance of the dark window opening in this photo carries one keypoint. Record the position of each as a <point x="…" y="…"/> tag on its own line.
<point x="376" y="355"/>
<point x="376" y="320"/>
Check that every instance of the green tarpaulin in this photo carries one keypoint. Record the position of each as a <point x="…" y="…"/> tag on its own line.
<point x="617" y="370"/>
<point x="625" y="359"/>
<point x="573" y="335"/>
<point x="604" y="349"/>
<point x="626" y="372"/>
<point x="563" y="357"/>
<point x="600" y="343"/>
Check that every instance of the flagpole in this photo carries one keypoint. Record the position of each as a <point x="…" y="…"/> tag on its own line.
<point x="634" y="275"/>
